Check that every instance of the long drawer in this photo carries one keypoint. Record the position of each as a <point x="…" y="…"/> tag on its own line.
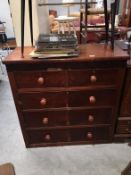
<point x="77" y="134"/>
<point x="41" y="100"/>
<point x="124" y="126"/>
<point x="67" y="117"/>
<point x="63" y="78"/>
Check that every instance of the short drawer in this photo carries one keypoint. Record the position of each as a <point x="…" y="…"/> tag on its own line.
<point x="43" y="100"/>
<point x="45" y="118"/>
<point x="32" y="79"/>
<point x="124" y="126"/>
<point x="90" y="116"/>
<point x="90" y="134"/>
<point x="47" y="136"/>
<point x="93" y="77"/>
<point x="92" y="98"/>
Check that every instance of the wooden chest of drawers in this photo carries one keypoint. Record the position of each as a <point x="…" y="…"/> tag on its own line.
<point x="68" y="101"/>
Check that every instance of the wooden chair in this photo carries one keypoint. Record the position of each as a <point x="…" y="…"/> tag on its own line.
<point x="7" y="169"/>
<point x="87" y="10"/>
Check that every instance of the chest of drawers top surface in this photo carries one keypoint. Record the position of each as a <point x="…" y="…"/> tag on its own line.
<point x="88" y="53"/>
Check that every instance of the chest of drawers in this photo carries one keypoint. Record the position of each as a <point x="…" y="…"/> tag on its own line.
<point x="69" y="100"/>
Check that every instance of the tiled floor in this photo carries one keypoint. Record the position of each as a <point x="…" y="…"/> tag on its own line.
<point x="104" y="159"/>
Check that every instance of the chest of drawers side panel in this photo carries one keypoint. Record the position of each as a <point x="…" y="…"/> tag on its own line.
<point x="18" y="109"/>
<point x="123" y="126"/>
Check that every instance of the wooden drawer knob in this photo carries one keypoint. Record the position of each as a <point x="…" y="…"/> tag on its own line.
<point x="43" y="101"/>
<point x="128" y="130"/>
<point x="90" y="118"/>
<point x="92" y="99"/>
<point x="45" y="121"/>
<point x="47" y="137"/>
<point x="41" y="80"/>
<point x="89" y="135"/>
<point x="93" y="78"/>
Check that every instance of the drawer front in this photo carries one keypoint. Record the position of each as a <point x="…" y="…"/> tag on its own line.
<point x="45" y="119"/>
<point x="43" y="100"/>
<point x="47" y="136"/>
<point x="124" y="127"/>
<point x="93" y="77"/>
<point x="92" y="98"/>
<point x="90" y="134"/>
<point x="66" y="118"/>
<point x="41" y="79"/>
<point x="90" y="116"/>
<point x="69" y="135"/>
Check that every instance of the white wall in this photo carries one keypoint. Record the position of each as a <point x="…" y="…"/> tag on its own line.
<point x="5" y="16"/>
<point x="40" y="20"/>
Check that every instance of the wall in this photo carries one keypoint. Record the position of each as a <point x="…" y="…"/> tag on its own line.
<point x="5" y="16"/>
<point x="39" y="26"/>
<point x="62" y="10"/>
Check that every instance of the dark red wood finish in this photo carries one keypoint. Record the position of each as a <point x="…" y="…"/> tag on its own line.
<point x="69" y="100"/>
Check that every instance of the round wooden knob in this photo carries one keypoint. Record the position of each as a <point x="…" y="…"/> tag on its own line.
<point x="93" y="78"/>
<point x="45" y="121"/>
<point x="47" y="137"/>
<point x="92" y="99"/>
<point x="89" y="135"/>
<point x="90" y="118"/>
<point x="43" y="101"/>
<point x="41" y="80"/>
<point x="128" y="130"/>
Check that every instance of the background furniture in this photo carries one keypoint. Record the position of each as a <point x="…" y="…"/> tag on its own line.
<point x="113" y="12"/>
<point x="3" y="43"/>
<point x="68" y="101"/>
<point x="124" y="19"/>
<point x="66" y="24"/>
<point x="85" y="12"/>
<point x="7" y="169"/>
<point x="126" y="14"/>
<point x="123" y="129"/>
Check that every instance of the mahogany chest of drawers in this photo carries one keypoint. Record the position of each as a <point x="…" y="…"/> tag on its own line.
<point x="69" y="100"/>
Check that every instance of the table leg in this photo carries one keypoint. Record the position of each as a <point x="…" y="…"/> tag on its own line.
<point x="30" y="19"/>
<point x="86" y="19"/>
<point x="74" y="30"/>
<point x="68" y="25"/>
<point x="106" y="20"/>
<point x="113" y="14"/>
<point x="22" y="26"/>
